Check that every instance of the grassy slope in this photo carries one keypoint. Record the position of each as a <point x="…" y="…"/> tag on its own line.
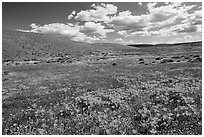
<point x="107" y="92"/>
<point x="21" y="45"/>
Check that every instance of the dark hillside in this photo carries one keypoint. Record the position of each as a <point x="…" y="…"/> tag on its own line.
<point x="198" y="43"/>
<point x="30" y="46"/>
<point x="20" y="45"/>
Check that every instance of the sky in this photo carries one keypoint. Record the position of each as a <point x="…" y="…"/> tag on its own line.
<point x="112" y="22"/>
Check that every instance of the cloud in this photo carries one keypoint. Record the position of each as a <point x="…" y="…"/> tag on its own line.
<point x="157" y="16"/>
<point x="83" y="38"/>
<point x="127" y="33"/>
<point x="186" y="28"/>
<point x="55" y="28"/>
<point x="123" y="42"/>
<point x="125" y="21"/>
<point x="175" y="14"/>
<point x="22" y="30"/>
<point x="187" y="37"/>
<point x="163" y="32"/>
<point x="97" y="28"/>
<point x="122" y="33"/>
<point x="167" y="14"/>
<point x="193" y="23"/>
<point x="70" y="30"/>
<point x="71" y="16"/>
<point x="160" y="19"/>
<point x="99" y="12"/>
<point x="140" y="3"/>
<point x="142" y="33"/>
<point x="34" y="26"/>
<point x="194" y="18"/>
<point x="151" y="5"/>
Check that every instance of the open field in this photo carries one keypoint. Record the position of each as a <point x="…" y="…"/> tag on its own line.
<point x="110" y="89"/>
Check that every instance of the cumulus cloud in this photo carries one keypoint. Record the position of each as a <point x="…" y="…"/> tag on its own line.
<point x="194" y="18"/>
<point x="22" y="30"/>
<point x="163" y="32"/>
<point x="141" y="33"/>
<point x="97" y="28"/>
<point x="126" y="21"/>
<point x="140" y="3"/>
<point x="55" y="28"/>
<point x="122" y="33"/>
<point x="71" y="15"/>
<point x="173" y="13"/>
<point x="34" y="26"/>
<point x="126" y="33"/>
<point x="94" y="24"/>
<point x="167" y="14"/>
<point x="185" y="28"/>
<point x="187" y="37"/>
<point x="122" y="41"/>
<point x="157" y="16"/>
<point x="69" y="30"/>
<point x="151" y="5"/>
<point x="83" y="38"/>
<point x="99" y="12"/>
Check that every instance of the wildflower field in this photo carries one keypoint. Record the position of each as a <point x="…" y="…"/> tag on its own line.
<point x="145" y="91"/>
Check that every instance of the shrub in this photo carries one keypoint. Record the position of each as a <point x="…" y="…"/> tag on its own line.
<point x="170" y="60"/>
<point x="141" y="62"/>
<point x="158" y="58"/>
<point x="164" y="61"/>
<point x="198" y="59"/>
<point x="114" y="64"/>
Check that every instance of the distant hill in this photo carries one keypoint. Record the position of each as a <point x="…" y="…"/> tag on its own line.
<point x="18" y="45"/>
<point x="22" y="46"/>
<point x="198" y="43"/>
